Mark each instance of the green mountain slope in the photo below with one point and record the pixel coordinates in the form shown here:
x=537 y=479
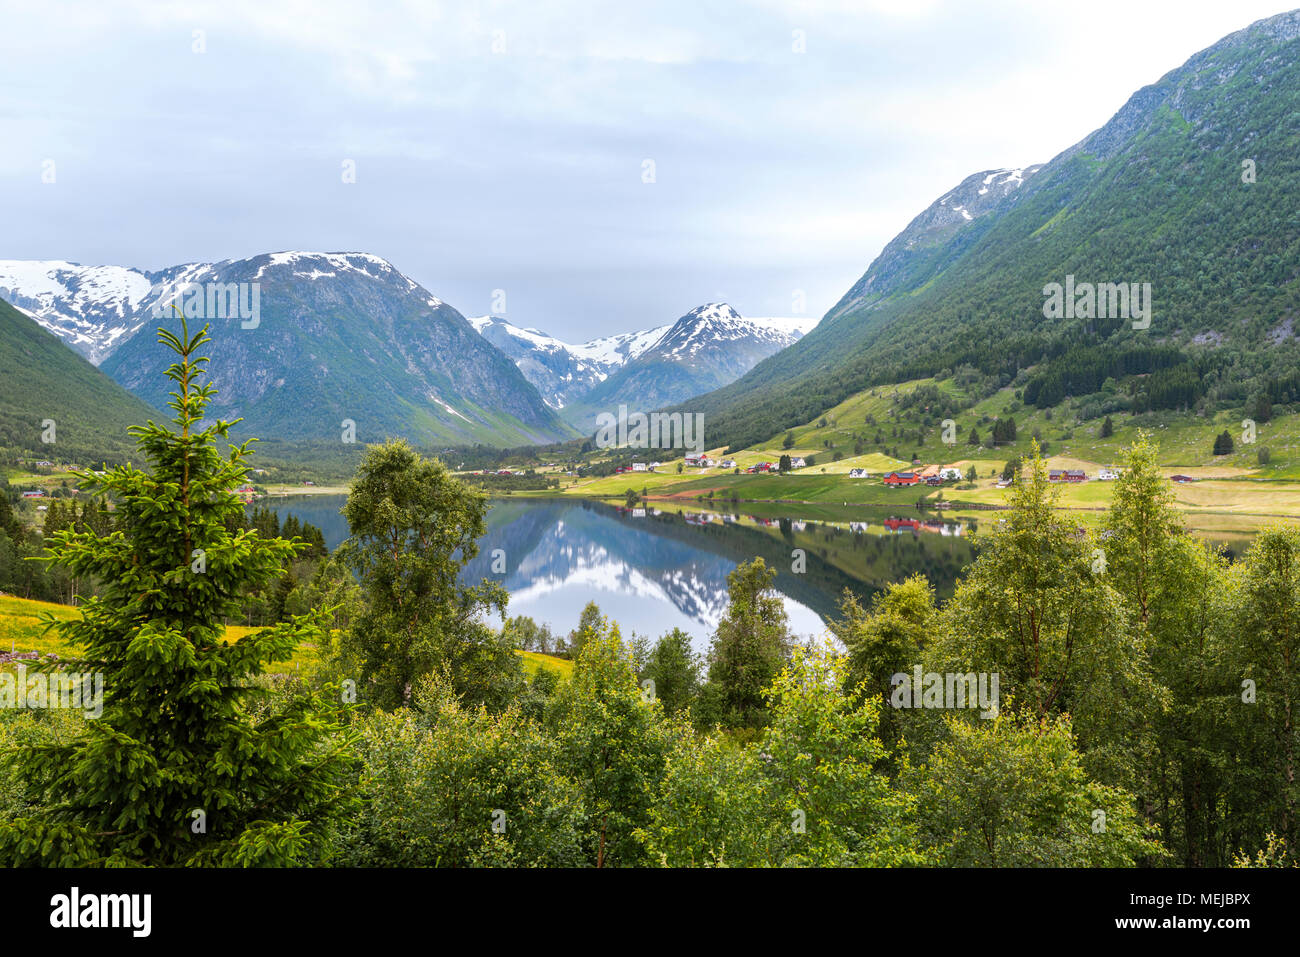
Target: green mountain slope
x=1156 y=196
x=41 y=378
x=346 y=337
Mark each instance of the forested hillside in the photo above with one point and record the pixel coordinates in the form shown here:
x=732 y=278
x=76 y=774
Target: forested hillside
x=1191 y=187
x=45 y=380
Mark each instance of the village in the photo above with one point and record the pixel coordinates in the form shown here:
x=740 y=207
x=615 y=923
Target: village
x=931 y=475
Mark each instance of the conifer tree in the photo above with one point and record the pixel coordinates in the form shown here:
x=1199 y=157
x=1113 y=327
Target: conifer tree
x=182 y=767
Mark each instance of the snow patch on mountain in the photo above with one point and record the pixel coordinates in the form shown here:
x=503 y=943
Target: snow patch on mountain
x=89 y=307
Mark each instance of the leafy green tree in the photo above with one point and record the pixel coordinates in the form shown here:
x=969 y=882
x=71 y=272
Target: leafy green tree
x=449 y=786
x=181 y=768
x=590 y=624
x=1173 y=588
x=749 y=647
x=713 y=808
x=823 y=758
x=1263 y=648
x=413 y=527
x=883 y=641
x=1012 y=792
x=613 y=743
x=674 y=667
x=528 y=635
x=9 y=524
x=1037 y=609
x=1139 y=527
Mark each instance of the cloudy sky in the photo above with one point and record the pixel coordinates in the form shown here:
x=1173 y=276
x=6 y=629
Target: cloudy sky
x=507 y=145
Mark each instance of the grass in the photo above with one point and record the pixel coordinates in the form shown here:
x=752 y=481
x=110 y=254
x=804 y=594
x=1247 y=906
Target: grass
x=535 y=661
x=1235 y=490
x=21 y=629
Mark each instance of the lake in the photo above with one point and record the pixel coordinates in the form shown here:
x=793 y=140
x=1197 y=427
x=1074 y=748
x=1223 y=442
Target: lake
x=652 y=570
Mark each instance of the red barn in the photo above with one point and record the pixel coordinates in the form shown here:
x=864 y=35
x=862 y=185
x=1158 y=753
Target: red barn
x=902 y=478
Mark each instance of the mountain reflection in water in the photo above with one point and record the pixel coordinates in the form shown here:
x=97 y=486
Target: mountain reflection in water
x=653 y=570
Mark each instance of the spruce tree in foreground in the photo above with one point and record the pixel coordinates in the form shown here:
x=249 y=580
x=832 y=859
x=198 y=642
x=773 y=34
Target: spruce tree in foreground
x=183 y=767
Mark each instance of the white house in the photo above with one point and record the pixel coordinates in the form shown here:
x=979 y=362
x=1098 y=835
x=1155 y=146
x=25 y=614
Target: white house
x=950 y=474
x=728 y=463
x=859 y=473
x=696 y=460
x=1108 y=474
x=797 y=463
x=638 y=466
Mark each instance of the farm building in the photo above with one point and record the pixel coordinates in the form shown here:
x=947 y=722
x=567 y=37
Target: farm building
x=902 y=478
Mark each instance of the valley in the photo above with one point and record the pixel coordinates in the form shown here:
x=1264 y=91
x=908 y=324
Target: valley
x=976 y=565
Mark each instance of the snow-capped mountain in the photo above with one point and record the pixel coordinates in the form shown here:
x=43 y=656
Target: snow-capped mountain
x=709 y=347
x=561 y=371
x=914 y=254
x=719 y=337
x=91 y=308
x=706 y=348
x=109 y=313
x=301 y=342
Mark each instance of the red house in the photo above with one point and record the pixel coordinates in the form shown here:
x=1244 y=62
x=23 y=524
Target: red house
x=902 y=478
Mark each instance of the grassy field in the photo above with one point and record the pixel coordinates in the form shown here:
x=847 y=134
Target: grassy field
x=22 y=630
x=535 y=661
x=1236 y=491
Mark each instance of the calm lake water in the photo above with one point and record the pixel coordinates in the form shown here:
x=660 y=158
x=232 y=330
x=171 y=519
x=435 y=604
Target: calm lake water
x=653 y=570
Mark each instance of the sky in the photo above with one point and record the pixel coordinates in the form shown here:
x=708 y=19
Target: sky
x=606 y=166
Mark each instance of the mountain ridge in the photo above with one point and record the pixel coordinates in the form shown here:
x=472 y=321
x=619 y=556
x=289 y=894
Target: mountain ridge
x=338 y=337
x=1157 y=194
x=709 y=345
